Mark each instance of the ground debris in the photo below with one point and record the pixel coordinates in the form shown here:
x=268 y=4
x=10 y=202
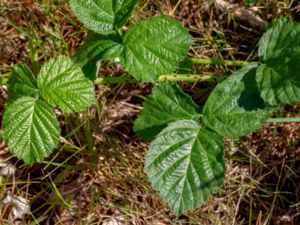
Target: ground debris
x=6 y=168
x=20 y=207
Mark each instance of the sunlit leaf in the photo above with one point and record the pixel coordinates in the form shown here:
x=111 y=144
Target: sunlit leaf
x=185 y=164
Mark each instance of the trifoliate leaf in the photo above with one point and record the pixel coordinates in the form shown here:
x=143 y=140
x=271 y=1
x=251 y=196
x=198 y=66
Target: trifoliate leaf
x=97 y=47
x=63 y=84
x=168 y=103
x=30 y=129
x=185 y=164
x=235 y=107
x=21 y=83
x=103 y=16
x=279 y=51
x=155 y=47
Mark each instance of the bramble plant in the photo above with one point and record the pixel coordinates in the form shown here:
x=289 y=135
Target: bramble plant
x=185 y=162
x=30 y=127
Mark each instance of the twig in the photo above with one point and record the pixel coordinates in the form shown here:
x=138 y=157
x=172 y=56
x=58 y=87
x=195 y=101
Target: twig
x=242 y=14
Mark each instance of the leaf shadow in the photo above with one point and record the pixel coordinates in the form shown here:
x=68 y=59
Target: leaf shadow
x=250 y=98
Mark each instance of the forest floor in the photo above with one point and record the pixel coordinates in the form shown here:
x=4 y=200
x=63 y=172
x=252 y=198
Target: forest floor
x=96 y=175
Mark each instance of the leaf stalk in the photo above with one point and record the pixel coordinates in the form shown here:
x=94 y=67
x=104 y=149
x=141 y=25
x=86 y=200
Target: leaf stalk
x=170 y=77
x=212 y=61
x=283 y=120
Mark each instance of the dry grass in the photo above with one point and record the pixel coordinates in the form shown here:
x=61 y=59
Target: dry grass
x=96 y=175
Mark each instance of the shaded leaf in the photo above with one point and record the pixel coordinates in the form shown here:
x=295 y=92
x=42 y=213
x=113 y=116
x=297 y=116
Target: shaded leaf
x=282 y=35
x=185 y=164
x=279 y=51
x=235 y=108
x=97 y=47
x=280 y=83
x=30 y=129
x=63 y=84
x=185 y=66
x=123 y=10
x=168 y=103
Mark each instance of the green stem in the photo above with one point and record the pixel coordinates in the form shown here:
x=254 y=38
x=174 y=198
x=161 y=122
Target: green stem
x=170 y=77
x=191 y=77
x=283 y=120
x=212 y=61
x=115 y=80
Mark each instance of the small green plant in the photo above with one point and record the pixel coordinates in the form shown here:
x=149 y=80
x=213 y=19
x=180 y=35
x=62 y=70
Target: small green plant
x=185 y=162
x=30 y=127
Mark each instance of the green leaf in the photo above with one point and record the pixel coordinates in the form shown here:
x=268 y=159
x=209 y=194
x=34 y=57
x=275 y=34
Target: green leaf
x=168 y=103
x=235 y=108
x=21 y=83
x=185 y=164
x=279 y=82
x=155 y=47
x=279 y=51
x=63 y=84
x=103 y=16
x=30 y=129
x=282 y=35
x=186 y=66
x=123 y=10
x=97 y=47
